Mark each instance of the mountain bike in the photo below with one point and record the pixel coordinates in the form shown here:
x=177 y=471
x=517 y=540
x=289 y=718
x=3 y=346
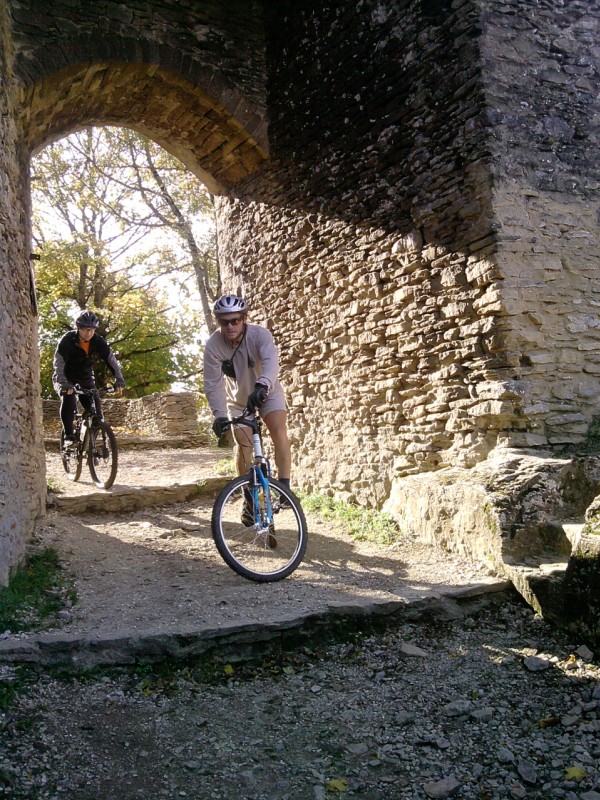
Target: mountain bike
x=257 y=523
x=95 y=440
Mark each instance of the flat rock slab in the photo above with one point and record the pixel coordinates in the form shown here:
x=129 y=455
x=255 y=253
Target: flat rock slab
x=150 y=583
x=127 y=500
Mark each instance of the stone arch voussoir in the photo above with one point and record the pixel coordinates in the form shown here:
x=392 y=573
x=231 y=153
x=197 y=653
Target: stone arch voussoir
x=186 y=120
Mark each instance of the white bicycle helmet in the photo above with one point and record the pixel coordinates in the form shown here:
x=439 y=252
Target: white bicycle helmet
x=229 y=304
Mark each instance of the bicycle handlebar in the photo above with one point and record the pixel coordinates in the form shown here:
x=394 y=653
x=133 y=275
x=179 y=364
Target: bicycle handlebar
x=244 y=419
x=77 y=389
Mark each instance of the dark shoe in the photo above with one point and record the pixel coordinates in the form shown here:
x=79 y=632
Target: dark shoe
x=283 y=504
x=272 y=540
x=248 y=514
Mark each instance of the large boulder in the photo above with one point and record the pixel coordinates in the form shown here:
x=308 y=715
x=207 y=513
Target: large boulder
x=522 y=514
x=581 y=610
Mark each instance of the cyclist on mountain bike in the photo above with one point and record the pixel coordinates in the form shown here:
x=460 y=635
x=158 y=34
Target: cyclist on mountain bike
x=74 y=364
x=241 y=369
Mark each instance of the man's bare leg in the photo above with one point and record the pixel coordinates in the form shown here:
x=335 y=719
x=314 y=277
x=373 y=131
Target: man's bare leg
x=244 y=453
x=276 y=422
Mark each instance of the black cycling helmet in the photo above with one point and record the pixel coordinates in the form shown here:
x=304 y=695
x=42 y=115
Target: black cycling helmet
x=229 y=304
x=87 y=319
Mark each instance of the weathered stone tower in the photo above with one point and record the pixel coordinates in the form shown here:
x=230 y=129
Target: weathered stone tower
x=406 y=191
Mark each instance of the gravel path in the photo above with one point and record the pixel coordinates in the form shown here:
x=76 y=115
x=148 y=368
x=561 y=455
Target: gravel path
x=491 y=706
x=143 y=575
x=484 y=703
x=148 y=467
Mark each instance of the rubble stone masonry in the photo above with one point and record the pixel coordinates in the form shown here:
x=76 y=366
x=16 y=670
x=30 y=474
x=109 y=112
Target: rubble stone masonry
x=22 y=472
x=424 y=239
x=406 y=191
x=157 y=414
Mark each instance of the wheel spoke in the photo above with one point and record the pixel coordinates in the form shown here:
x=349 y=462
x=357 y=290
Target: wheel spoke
x=255 y=546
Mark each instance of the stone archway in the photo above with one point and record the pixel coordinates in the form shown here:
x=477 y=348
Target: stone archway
x=206 y=108
x=181 y=117
x=422 y=238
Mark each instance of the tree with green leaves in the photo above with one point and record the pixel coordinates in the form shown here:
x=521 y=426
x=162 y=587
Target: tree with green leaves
x=97 y=196
x=145 y=339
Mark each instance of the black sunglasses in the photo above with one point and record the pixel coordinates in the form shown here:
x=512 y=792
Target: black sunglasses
x=235 y=321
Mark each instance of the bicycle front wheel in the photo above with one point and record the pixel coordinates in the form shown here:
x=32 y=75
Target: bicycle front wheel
x=103 y=458
x=71 y=459
x=254 y=546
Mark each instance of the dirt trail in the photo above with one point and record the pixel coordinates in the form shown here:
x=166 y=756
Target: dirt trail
x=144 y=467
x=152 y=575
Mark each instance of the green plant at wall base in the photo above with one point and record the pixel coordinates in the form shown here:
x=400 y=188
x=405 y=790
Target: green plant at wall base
x=361 y=523
x=34 y=594
x=226 y=466
x=52 y=486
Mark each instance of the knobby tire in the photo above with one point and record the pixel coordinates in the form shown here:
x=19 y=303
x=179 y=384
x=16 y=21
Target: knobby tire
x=103 y=457
x=71 y=459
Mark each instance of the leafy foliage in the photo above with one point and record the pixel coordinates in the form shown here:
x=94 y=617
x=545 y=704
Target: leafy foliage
x=97 y=196
x=145 y=340
x=33 y=593
x=362 y=523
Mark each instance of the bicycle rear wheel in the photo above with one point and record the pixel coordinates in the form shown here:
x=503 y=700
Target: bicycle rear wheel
x=261 y=551
x=103 y=459
x=71 y=459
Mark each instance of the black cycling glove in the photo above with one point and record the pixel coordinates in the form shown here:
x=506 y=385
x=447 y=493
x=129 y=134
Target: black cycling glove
x=258 y=397
x=220 y=425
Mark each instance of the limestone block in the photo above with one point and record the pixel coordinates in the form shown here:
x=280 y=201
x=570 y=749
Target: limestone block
x=492 y=302
x=481 y=272
x=505 y=510
x=565 y=438
x=499 y=390
x=579 y=323
x=566 y=418
x=586 y=346
x=492 y=408
x=541 y=357
x=510 y=439
x=404 y=294
x=410 y=243
x=573 y=602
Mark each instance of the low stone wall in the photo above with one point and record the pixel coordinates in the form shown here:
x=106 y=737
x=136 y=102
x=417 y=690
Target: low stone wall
x=159 y=414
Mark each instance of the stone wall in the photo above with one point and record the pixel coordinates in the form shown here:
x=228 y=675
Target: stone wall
x=418 y=225
x=423 y=241
x=191 y=76
x=542 y=82
x=368 y=242
x=22 y=475
x=158 y=414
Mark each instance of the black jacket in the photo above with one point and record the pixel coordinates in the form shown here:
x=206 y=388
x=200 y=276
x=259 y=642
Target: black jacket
x=73 y=365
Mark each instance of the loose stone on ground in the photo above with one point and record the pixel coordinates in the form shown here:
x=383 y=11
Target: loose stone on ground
x=484 y=703
x=377 y=727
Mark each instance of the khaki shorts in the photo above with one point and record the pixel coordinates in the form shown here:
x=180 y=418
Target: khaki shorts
x=276 y=403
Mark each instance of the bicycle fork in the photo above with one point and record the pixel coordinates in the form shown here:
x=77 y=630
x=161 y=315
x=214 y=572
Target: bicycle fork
x=260 y=483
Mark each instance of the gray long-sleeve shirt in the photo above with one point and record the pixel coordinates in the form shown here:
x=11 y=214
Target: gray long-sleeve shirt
x=255 y=361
